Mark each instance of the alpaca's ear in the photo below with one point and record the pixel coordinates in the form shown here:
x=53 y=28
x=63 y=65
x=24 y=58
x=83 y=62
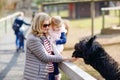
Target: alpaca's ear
x=76 y=47
x=89 y=43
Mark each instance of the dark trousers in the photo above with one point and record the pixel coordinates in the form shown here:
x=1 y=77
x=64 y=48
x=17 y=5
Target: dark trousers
x=56 y=72
x=21 y=44
x=17 y=41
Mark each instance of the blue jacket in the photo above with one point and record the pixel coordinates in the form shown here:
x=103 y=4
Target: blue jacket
x=17 y=24
x=62 y=39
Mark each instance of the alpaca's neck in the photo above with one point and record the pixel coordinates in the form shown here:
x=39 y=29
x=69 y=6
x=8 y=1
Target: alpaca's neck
x=106 y=66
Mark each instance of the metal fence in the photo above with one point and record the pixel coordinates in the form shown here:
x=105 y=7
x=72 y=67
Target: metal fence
x=6 y=22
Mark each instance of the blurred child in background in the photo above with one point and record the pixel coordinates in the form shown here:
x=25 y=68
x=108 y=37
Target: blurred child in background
x=22 y=38
x=18 y=23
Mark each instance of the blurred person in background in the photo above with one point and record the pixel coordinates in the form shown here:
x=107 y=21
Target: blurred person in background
x=22 y=39
x=18 y=22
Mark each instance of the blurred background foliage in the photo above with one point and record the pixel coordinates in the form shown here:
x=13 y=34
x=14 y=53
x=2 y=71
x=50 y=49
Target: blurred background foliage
x=2 y=2
x=63 y=11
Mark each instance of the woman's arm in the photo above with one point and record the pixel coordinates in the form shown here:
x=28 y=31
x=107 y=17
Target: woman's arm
x=37 y=48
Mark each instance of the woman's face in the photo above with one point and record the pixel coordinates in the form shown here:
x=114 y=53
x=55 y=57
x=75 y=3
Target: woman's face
x=45 y=26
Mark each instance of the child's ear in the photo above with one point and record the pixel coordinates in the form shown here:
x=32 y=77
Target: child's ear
x=89 y=43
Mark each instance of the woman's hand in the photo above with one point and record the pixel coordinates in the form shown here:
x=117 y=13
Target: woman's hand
x=72 y=59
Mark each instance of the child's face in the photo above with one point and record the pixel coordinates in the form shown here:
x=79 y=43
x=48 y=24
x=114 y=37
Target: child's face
x=56 y=24
x=56 y=28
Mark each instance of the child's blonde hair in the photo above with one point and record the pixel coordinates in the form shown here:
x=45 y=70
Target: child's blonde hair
x=56 y=20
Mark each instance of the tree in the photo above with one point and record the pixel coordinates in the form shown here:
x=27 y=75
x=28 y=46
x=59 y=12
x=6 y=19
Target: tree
x=2 y=4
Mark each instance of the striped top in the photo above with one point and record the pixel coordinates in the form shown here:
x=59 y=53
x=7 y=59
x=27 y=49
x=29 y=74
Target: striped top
x=48 y=46
x=37 y=59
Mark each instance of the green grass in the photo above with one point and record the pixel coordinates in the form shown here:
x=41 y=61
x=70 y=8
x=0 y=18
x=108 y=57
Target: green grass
x=84 y=23
x=62 y=14
x=116 y=12
x=64 y=77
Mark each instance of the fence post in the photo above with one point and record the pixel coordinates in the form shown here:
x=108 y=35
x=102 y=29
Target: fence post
x=103 y=17
x=119 y=17
x=5 y=26
x=74 y=72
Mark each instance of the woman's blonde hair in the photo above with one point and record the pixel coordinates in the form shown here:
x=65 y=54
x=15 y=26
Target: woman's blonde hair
x=38 y=22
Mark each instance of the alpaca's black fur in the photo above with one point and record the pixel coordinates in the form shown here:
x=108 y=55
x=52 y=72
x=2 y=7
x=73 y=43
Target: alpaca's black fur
x=93 y=54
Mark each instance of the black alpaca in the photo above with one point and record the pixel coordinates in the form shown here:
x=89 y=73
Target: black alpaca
x=93 y=54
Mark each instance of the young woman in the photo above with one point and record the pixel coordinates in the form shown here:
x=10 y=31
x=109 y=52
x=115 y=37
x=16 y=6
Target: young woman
x=38 y=50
